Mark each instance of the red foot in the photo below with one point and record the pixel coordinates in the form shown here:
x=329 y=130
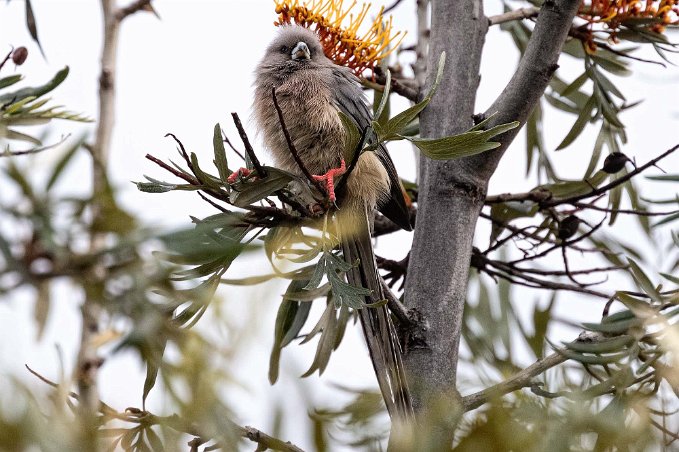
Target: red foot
x=240 y=172
x=329 y=179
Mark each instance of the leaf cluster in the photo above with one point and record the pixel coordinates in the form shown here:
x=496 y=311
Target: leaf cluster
x=27 y=107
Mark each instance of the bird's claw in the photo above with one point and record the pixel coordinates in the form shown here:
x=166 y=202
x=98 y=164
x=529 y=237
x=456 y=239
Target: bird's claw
x=329 y=179
x=239 y=173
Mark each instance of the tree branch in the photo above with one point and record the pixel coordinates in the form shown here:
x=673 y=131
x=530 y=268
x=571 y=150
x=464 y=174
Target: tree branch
x=396 y=85
x=524 y=90
x=517 y=14
x=520 y=380
x=134 y=7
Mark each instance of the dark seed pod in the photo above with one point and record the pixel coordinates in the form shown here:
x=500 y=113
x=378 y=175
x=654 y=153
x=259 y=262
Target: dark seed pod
x=476 y=260
x=19 y=55
x=615 y=162
x=568 y=227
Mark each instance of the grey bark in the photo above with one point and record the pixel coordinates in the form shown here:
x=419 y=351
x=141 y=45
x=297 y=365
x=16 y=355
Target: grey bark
x=451 y=193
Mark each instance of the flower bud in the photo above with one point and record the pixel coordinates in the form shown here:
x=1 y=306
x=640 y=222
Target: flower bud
x=568 y=227
x=615 y=162
x=19 y=55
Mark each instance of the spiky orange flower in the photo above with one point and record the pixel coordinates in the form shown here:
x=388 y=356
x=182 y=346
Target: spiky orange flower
x=612 y=15
x=343 y=44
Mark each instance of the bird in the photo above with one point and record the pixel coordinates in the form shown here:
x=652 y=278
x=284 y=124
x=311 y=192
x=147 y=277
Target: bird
x=311 y=91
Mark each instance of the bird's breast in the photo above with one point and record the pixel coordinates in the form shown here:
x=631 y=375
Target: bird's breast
x=312 y=120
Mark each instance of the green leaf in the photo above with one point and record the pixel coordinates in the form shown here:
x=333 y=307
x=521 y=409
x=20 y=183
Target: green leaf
x=593 y=359
x=601 y=346
x=352 y=136
x=641 y=308
x=669 y=277
x=566 y=189
x=618 y=316
x=665 y=177
x=19 y=136
x=348 y=295
x=255 y=190
x=541 y=321
x=398 y=123
x=462 y=145
x=32 y=25
x=619 y=327
x=206 y=179
x=309 y=294
x=35 y=91
x=328 y=324
x=318 y=274
x=63 y=163
x=643 y=281
x=220 y=155
x=153 y=187
x=154 y=440
x=611 y=65
x=290 y=319
x=667 y=219
x=575 y=85
x=605 y=83
x=578 y=126
x=152 y=367
x=9 y=81
x=384 y=98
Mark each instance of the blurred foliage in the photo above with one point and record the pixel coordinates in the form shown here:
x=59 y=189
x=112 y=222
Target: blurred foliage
x=24 y=107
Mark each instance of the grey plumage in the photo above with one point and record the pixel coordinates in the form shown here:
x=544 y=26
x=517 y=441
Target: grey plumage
x=310 y=90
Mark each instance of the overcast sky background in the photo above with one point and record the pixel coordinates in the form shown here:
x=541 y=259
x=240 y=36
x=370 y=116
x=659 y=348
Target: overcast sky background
x=191 y=69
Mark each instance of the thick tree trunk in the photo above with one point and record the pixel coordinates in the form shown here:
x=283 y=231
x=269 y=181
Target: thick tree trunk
x=452 y=193
x=450 y=199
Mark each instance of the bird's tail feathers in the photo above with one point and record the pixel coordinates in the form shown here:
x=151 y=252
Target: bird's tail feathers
x=380 y=332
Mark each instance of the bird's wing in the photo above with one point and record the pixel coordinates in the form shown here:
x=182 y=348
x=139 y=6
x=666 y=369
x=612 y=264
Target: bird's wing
x=350 y=100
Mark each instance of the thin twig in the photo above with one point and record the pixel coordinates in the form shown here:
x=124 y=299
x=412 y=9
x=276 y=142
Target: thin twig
x=615 y=183
x=8 y=153
x=511 y=273
x=9 y=55
x=176 y=172
x=517 y=14
x=182 y=151
x=641 y=213
x=291 y=145
x=392 y=6
x=249 y=151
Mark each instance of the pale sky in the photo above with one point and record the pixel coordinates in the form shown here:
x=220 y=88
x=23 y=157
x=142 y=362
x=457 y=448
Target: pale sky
x=192 y=69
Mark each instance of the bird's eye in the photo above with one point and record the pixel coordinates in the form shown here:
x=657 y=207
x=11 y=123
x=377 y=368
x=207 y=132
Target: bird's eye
x=284 y=49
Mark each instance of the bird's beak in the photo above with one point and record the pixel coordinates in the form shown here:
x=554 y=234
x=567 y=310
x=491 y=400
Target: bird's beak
x=301 y=52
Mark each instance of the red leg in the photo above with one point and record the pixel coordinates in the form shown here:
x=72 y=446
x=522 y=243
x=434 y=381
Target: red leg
x=240 y=172
x=329 y=179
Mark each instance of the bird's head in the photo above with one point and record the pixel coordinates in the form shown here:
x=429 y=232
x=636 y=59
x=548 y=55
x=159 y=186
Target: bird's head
x=294 y=48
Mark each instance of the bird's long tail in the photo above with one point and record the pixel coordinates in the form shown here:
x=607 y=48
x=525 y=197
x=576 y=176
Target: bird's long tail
x=379 y=330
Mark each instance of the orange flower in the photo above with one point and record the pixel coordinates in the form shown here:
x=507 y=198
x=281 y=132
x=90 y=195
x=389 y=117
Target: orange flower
x=343 y=44
x=612 y=15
